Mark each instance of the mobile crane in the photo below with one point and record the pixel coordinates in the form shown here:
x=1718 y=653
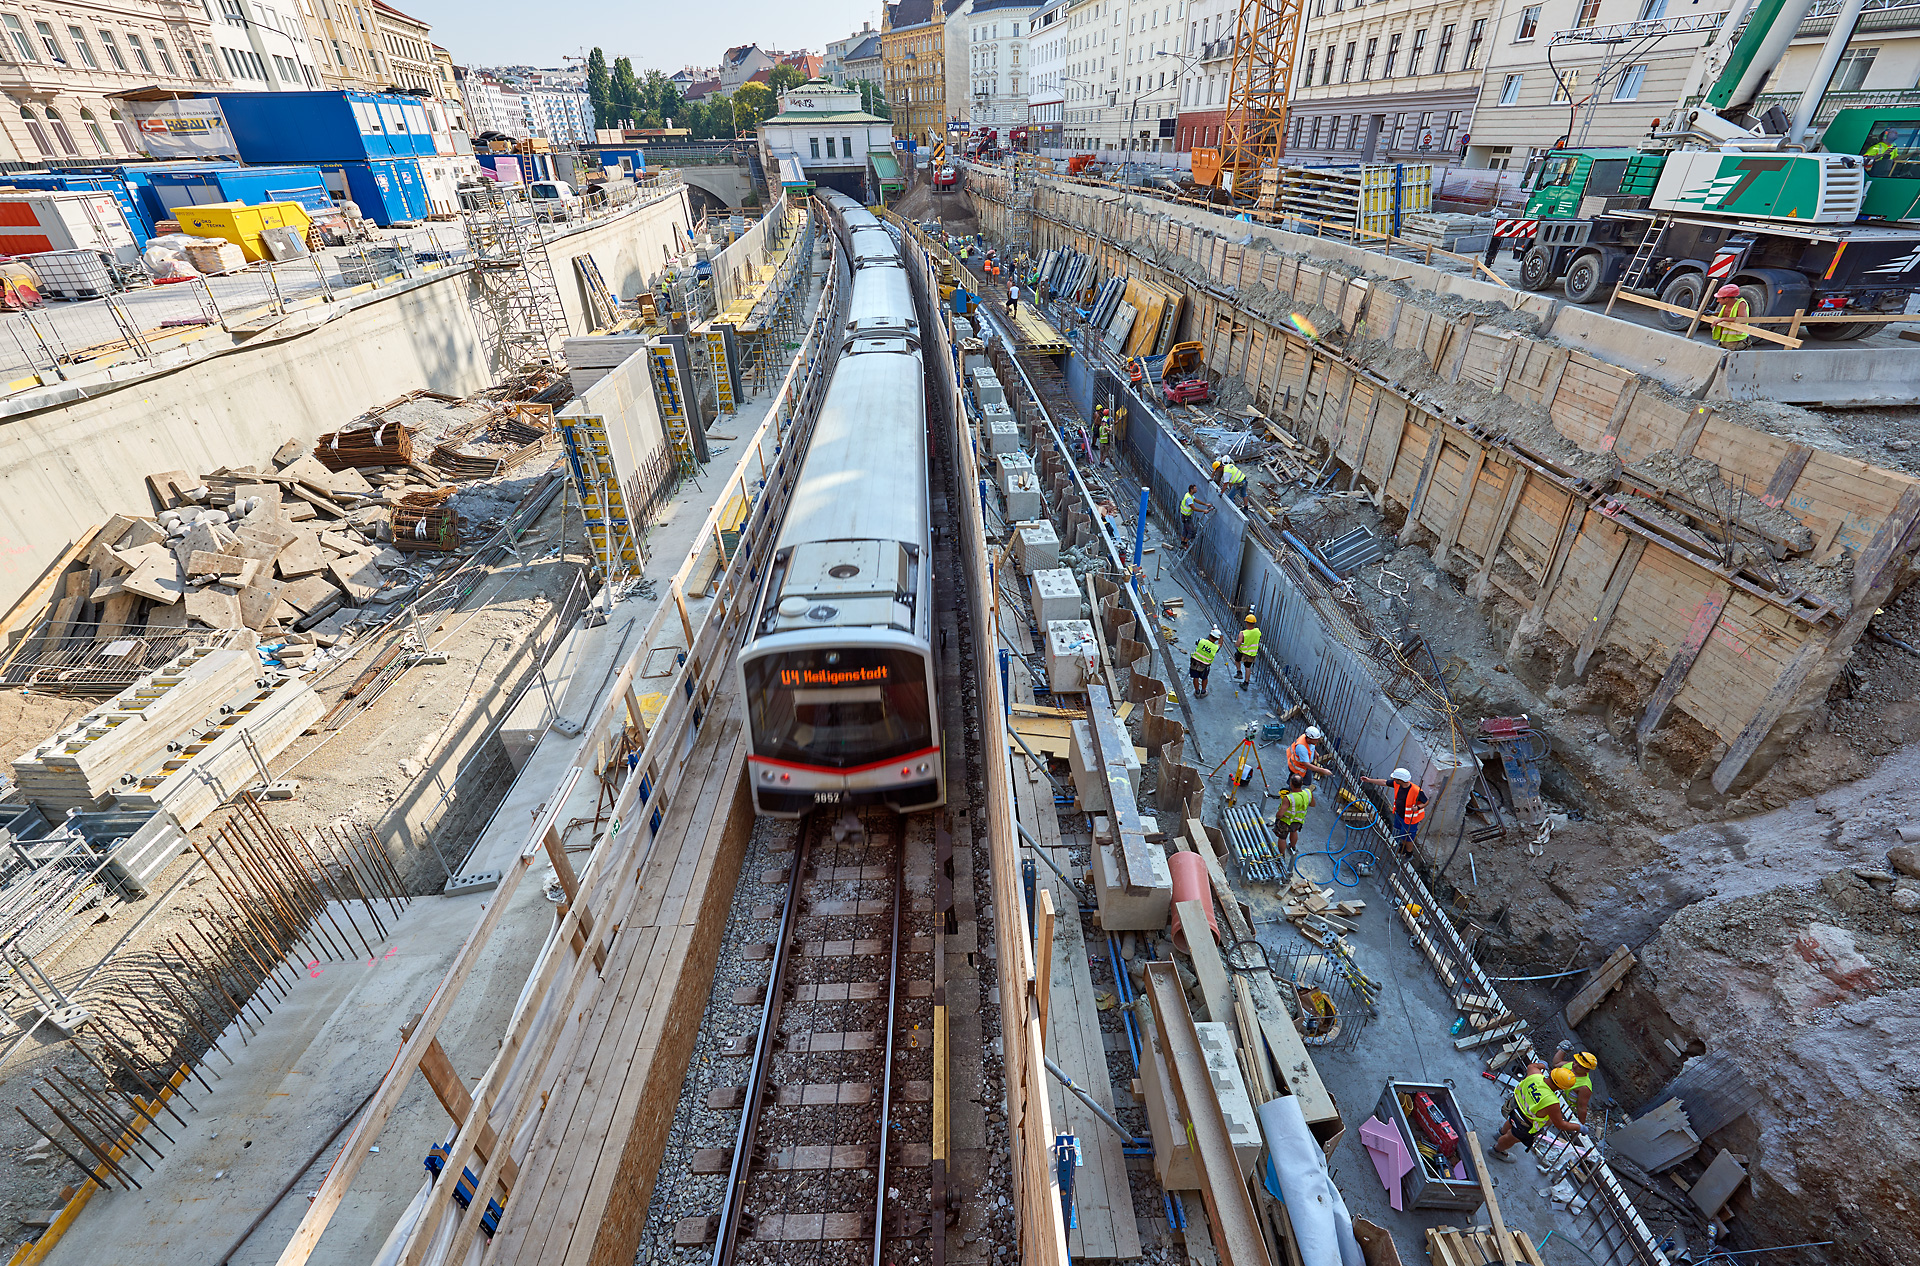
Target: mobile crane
x=1720 y=194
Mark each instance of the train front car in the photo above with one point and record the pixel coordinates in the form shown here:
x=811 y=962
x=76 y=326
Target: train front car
x=838 y=672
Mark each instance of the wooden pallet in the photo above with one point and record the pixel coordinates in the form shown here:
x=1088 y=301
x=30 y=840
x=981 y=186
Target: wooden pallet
x=1450 y=1246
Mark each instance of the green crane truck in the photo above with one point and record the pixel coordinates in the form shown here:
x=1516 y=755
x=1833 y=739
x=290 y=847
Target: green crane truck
x=1724 y=197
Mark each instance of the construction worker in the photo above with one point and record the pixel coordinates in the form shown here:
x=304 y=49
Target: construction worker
x=1292 y=814
x=1247 y=651
x=1581 y=1064
x=1013 y=297
x=1233 y=482
x=1406 y=805
x=1103 y=437
x=1200 y=662
x=1303 y=755
x=1882 y=154
x=1536 y=1105
x=1188 y=504
x=1733 y=309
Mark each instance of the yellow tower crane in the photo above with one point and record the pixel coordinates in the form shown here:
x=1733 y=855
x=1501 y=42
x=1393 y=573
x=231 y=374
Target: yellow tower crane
x=1247 y=166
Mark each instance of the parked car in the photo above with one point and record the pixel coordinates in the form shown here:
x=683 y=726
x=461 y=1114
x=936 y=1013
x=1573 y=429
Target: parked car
x=554 y=199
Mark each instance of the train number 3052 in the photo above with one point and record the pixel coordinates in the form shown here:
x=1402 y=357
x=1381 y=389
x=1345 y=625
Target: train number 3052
x=826 y=797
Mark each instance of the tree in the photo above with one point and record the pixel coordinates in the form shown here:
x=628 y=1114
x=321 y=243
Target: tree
x=753 y=104
x=783 y=78
x=663 y=99
x=873 y=99
x=625 y=91
x=599 y=89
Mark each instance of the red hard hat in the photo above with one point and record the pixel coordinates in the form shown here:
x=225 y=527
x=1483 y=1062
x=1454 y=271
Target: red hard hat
x=1728 y=291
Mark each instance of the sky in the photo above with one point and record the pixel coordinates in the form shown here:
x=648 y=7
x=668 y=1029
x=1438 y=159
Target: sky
x=655 y=34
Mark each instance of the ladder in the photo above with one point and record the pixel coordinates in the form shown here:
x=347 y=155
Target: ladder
x=722 y=373
x=1637 y=266
x=603 y=505
x=672 y=395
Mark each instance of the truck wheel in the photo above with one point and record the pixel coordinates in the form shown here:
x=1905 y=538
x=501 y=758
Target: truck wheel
x=1583 y=283
x=1842 y=333
x=1682 y=292
x=1536 y=269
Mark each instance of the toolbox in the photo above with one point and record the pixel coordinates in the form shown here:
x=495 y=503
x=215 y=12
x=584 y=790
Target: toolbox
x=1418 y=1186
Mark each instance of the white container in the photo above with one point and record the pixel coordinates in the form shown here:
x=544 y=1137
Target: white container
x=1003 y=436
x=60 y=220
x=1056 y=596
x=80 y=274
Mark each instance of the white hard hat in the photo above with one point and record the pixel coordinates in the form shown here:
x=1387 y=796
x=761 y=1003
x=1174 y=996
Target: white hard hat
x=1401 y=775
x=1313 y=732
x=1216 y=633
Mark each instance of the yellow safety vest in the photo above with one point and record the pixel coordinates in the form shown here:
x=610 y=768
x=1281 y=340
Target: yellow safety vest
x=1733 y=310
x=1204 y=650
x=1881 y=150
x=1581 y=1081
x=1293 y=806
x=1250 y=643
x=1235 y=475
x=1186 y=506
x=1535 y=1096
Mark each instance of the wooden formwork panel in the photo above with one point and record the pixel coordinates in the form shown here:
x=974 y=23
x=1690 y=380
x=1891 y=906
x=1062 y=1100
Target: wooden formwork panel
x=1589 y=566
x=1415 y=434
x=1450 y=470
x=1535 y=527
x=1483 y=510
x=1834 y=490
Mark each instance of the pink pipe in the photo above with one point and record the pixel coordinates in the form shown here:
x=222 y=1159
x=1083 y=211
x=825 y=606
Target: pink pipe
x=1191 y=883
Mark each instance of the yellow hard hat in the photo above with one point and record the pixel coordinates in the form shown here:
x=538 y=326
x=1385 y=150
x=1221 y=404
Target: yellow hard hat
x=1216 y=464
x=1252 y=618
x=1586 y=1060
x=1562 y=1078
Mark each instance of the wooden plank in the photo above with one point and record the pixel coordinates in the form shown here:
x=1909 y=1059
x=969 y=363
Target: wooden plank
x=1691 y=432
x=1786 y=474
x=1500 y=1233
x=1516 y=481
x=1215 y=988
x=1043 y=964
x=1556 y=370
x=1459 y=515
x=1705 y=617
x=1550 y=579
x=1425 y=478
x=1609 y=974
x=1602 y=617
x=1619 y=418
x=35 y=598
x=1785 y=689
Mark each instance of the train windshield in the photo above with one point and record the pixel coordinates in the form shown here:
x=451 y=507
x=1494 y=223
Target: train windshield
x=838 y=708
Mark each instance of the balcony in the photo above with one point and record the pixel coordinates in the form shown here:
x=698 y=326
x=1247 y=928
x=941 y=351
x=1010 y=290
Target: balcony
x=1833 y=102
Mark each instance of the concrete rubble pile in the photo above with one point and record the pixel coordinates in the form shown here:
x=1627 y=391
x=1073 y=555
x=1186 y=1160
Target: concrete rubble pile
x=289 y=546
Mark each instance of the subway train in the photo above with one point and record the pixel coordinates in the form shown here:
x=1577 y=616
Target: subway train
x=837 y=671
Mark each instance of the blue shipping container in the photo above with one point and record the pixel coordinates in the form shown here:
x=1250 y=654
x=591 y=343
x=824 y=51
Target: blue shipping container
x=326 y=127
x=129 y=208
x=251 y=185
x=139 y=181
x=388 y=191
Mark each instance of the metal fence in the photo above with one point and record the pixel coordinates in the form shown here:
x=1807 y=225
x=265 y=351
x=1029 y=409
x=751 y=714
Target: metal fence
x=67 y=657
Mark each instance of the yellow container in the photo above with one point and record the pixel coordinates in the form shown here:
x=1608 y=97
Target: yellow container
x=241 y=224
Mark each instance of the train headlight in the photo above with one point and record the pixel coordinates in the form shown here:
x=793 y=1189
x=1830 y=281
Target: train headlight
x=906 y=771
x=766 y=775
x=923 y=767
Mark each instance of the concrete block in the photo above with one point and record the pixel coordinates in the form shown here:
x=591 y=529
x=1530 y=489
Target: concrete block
x=1073 y=657
x=1002 y=436
x=1122 y=910
x=216 y=606
x=986 y=385
x=1056 y=596
x=1012 y=464
x=173 y=616
x=143 y=532
x=257 y=603
x=334 y=630
x=301 y=558
x=204 y=563
x=389 y=558
x=1091 y=788
x=1023 y=498
x=139 y=556
x=113 y=532
x=357 y=575
x=1036 y=546
x=1230 y=1087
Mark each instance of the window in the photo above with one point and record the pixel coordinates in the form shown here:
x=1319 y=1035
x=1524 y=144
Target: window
x=125 y=130
x=1628 y=89
x=23 y=45
x=62 y=133
x=35 y=128
x=1563 y=86
x=1306 y=80
x=1326 y=75
x=211 y=64
x=1419 y=47
x=166 y=58
x=1652 y=9
x=1445 y=50
x=830 y=153
x=1476 y=34
x=1393 y=55
x=80 y=46
x=1366 y=61
x=1589 y=13
x=1346 y=63
x=846 y=146
x=814 y=143
x=47 y=42
x=139 y=53
x=1852 y=70
x=1510 y=90
x=1529 y=24
x=93 y=130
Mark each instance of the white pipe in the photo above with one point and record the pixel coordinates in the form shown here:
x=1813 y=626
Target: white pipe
x=1837 y=39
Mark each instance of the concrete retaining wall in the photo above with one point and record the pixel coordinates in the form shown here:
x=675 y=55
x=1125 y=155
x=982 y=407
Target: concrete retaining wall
x=632 y=251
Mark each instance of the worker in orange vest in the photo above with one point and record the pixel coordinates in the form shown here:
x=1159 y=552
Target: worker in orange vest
x=1407 y=806
x=1303 y=755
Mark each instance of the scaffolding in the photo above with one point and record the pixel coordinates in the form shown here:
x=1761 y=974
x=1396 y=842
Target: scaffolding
x=516 y=302
x=610 y=526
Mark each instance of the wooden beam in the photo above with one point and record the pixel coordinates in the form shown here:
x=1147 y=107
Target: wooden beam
x=34 y=598
x=1426 y=475
x=1621 y=405
x=1516 y=482
x=1043 y=961
x=570 y=885
x=1556 y=370
x=1786 y=474
x=1562 y=548
x=1690 y=433
x=1500 y=1233
x=1705 y=617
x=1505 y=371
x=1459 y=515
x=1617 y=583
x=1891 y=541
x=1599 y=985
x=451 y=1091
x=1230 y=1210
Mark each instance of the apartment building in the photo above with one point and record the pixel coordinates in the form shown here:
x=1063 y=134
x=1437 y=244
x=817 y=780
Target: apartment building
x=562 y=115
x=1046 y=89
x=406 y=49
x=1150 y=58
x=1091 y=74
x=913 y=35
x=1389 y=82
x=59 y=62
x=345 y=36
x=262 y=48
x=1589 y=92
x=1880 y=67
x=495 y=106
x=833 y=65
x=447 y=78
x=995 y=66
x=1206 y=73
x=863 y=62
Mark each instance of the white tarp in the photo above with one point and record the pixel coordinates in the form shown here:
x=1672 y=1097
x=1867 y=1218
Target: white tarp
x=1321 y=1222
x=190 y=127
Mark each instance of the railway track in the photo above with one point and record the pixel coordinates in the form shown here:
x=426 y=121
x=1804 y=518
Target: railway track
x=828 y=1127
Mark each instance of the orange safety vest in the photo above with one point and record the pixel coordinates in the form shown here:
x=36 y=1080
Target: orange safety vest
x=1300 y=757
x=1409 y=803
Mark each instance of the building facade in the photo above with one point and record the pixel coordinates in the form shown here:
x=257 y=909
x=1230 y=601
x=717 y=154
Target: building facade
x=1090 y=74
x=741 y=63
x=1046 y=89
x=863 y=62
x=264 y=49
x=1206 y=73
x=562 y=115
x=448 y=86
x=833 y=66
x=407 y=49
x=1389 y=82
x=821 y=125
x=1588 y=93
x=59 y=63
x=913 y=63
x=494 y=106
x=999 y=64
x=1151 y=53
